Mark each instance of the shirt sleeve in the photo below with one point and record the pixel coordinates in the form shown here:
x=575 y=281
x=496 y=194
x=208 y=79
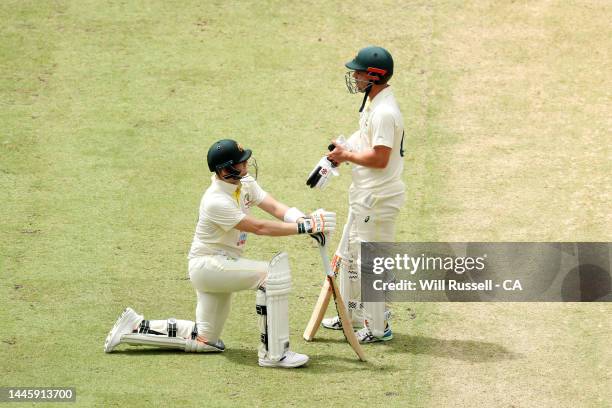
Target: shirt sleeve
x=353 y=141
x=224 y=213
x=257 y=192
x=383 y=129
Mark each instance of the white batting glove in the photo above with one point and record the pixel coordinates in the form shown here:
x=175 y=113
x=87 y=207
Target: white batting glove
x=318 y=221
x=320 y=237
x=320 y=175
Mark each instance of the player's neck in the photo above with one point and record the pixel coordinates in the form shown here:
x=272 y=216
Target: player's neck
x=229 y=180
x=376 y=89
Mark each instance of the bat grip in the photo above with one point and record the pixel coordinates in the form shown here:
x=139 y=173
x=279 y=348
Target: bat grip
x=331 y=148
x=325 y=260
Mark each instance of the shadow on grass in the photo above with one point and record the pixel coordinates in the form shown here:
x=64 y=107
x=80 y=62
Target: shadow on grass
x=322 y=363
x=465 y=350
x=153 y=351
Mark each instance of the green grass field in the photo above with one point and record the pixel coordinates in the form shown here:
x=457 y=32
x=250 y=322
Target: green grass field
x=107 y=111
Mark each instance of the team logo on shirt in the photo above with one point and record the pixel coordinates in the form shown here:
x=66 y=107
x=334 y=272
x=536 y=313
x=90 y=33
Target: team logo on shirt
x=242 y=238
x=247 y=200
x=367 y=219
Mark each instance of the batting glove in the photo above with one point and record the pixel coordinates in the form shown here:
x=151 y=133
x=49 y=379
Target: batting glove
x=318 y=221
x=320 y=237
x=320 y=175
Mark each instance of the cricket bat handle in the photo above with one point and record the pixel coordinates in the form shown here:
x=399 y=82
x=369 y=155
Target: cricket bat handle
x=325 y=260
x=327 y=290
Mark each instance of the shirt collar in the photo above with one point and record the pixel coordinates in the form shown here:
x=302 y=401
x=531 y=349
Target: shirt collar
x=225 y=186
x=379 y=97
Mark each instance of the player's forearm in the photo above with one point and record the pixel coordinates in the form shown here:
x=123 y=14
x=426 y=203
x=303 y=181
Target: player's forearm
x=273 y=207
x=275 y=228
x=319 y=221
x=279 y=210
x=367 y=158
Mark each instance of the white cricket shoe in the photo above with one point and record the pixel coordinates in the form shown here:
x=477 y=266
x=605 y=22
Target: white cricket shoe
x=291 y=359
x=334 y=323
x=128 y=320
x=365 y=335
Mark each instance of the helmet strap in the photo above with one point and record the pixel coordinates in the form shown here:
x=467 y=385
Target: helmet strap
x=365 y=96
x=233 y=173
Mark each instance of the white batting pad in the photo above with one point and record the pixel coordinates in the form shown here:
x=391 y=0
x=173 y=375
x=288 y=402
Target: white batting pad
x=278 y=286
x=350 y=281
x=172 y=327
x=137 y=339
x=187 y=345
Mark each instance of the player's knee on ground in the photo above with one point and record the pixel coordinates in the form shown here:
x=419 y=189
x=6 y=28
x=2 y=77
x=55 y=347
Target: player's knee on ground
x=212 y=311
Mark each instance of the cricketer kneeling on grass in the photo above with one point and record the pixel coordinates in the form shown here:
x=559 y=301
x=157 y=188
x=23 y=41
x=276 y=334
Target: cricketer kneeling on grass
x=377 y=192
x=216 y=269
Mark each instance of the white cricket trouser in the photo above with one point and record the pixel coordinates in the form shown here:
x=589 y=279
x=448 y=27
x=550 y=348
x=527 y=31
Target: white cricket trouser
x=375 y=216
x=215 y=278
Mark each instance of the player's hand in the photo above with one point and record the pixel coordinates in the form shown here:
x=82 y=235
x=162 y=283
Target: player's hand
x=318 y=221
x=340 y=154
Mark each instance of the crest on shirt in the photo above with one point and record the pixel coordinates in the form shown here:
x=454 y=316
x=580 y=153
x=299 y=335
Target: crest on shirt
x=242 y=238
x=247 y=200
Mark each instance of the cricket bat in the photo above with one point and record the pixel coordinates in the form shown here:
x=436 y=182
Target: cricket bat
x=347 y=325
x=329 y=289
x=326 y=291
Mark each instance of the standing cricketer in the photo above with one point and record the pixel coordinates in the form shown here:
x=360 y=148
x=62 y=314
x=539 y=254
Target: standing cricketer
x=217 y=269
x=376 y=194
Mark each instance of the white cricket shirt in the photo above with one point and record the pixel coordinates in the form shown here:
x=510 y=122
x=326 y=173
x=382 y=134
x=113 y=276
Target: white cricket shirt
x=224 y=205
x=380 y=124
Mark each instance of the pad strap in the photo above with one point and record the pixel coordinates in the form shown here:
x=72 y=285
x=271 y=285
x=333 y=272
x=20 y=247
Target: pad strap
x=145 y=327
x=262 y=312
x=171 y=327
